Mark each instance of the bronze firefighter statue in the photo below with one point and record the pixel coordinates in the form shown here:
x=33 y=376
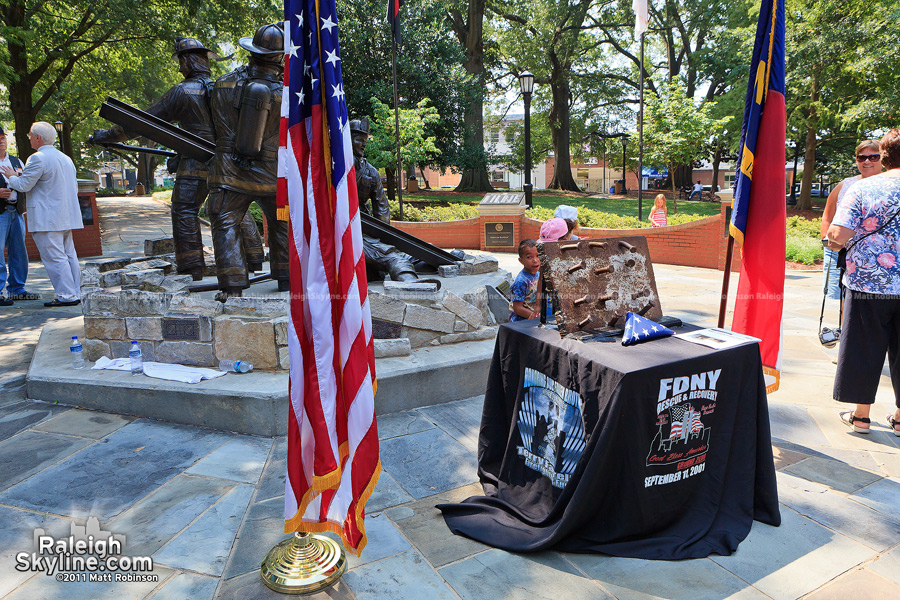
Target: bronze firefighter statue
x=188 y=105
x=379 y=255
x=246 y=109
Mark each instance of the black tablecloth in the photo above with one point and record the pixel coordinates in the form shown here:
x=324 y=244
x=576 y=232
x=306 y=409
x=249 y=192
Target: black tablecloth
x=660 y=450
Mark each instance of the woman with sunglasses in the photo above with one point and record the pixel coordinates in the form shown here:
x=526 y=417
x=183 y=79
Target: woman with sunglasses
x=867 y=222
x=868 y=161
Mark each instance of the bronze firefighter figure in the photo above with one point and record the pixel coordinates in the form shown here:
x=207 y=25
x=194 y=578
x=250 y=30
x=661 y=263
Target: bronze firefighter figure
x=246 y=109
x=188 y=105
x=379 y=255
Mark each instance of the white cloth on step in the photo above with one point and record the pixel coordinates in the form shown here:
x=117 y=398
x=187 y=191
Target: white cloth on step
x=170 y=372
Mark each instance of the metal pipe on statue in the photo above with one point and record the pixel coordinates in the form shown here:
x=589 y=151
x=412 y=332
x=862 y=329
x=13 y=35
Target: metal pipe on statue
x=641 y=139
x=397 y=124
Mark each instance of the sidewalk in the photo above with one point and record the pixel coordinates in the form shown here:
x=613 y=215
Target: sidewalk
x=207 y=505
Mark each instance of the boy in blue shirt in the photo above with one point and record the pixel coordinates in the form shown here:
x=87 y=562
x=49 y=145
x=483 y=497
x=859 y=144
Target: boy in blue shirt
x=524 y=288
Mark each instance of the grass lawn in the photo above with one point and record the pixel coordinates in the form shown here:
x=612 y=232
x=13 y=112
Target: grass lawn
x=623 y=207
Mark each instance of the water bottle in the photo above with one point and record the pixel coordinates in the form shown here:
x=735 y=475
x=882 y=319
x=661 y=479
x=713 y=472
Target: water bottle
x=235 y=366
x=77 y=352
x=137 y=359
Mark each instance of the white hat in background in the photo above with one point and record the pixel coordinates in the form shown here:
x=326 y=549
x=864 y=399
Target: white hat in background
x=564 y=211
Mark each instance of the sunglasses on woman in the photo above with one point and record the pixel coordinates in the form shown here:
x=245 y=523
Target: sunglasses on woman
x=868 y=157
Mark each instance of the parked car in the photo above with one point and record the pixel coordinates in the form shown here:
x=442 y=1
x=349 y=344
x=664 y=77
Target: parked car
x=818 y=190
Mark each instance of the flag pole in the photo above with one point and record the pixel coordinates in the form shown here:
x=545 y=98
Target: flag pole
x=641 y=138
x=397 y=122
x=726 y=279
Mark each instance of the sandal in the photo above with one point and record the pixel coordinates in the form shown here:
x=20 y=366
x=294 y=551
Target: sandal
x=850 y=420
x=893 y=423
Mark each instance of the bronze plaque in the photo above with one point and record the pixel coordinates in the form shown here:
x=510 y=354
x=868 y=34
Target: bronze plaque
x=593 y=283
x=497 y=235
x=385 y=330
x=181 y=329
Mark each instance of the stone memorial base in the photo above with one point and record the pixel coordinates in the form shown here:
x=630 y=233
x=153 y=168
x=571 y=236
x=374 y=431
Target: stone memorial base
x=254 y=403
x=436 y=344
x=141 y=300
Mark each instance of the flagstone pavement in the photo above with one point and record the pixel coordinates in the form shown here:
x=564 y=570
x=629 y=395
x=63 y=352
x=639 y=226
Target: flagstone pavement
x=207 y=505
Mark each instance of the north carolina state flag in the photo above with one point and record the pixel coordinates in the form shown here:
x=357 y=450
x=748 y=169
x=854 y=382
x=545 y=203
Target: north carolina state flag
x=758 y=218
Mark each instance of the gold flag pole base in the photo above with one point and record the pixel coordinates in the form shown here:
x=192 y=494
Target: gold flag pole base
x=304 y=563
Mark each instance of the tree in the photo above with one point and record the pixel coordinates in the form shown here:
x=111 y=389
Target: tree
x=469 y=31
x=551 y=39
x=47 y=39
x=429 y=65
x=676 y=130
x=843 y=86
x=701 y=43
x=416 y=143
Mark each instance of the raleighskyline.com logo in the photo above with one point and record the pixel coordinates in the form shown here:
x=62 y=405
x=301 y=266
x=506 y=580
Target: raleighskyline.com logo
x=87 y=554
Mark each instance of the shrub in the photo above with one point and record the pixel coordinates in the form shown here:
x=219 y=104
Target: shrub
x=601 y=220
x=803 y=249
x=800 y=227
x=454 y=212
x=108 y=192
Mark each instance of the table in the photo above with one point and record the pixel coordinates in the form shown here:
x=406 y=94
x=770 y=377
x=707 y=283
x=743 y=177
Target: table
x=660 y=450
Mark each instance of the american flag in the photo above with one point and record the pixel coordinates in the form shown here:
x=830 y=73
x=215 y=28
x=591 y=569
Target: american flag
x=696 y=424
x=676 y=430
x=333 y=462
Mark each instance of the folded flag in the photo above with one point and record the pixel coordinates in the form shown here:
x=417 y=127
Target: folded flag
x=639 y=329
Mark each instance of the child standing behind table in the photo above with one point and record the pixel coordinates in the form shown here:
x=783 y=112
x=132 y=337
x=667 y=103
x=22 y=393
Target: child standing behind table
x=658 y=217
x=524 y=288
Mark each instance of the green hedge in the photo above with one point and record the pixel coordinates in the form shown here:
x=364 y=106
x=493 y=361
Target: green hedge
x=602 y=220
x=804 y=241
x=454 y=212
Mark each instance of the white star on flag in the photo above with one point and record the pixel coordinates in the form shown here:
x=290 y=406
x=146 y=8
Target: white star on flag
x=293 y=51
x=332 y=57
x=338 y=91
x=327 y=23
x=300 y=96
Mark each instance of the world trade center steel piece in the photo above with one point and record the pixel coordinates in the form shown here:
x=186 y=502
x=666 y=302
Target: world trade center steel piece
x=188 y=104
x=593 y=283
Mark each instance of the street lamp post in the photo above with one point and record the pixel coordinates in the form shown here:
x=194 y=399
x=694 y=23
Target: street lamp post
x=526 y=81
x=624 y=143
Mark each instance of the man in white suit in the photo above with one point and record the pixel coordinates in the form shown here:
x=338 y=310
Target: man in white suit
x=53 y=212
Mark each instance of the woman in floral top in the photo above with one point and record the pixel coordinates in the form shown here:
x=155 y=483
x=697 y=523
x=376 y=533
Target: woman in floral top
x=867 y=223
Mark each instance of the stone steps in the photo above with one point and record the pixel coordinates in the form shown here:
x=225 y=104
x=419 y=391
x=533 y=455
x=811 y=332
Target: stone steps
x=253 y=403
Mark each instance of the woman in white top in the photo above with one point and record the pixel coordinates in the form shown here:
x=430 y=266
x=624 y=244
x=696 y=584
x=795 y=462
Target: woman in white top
x=868 y=161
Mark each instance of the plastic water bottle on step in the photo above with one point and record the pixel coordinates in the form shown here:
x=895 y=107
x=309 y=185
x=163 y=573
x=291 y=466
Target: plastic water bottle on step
x=235 y=366
x=77 y=353
x=137 y=359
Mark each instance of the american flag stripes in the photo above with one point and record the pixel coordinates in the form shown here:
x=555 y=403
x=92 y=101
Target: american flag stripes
x=333 y=462
x=696 y=424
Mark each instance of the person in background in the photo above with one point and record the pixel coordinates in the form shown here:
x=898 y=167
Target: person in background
x=867 y=223
x=554 y=230
x=53 y=211
x=658 y=215
x=698 y=190
x=524 y=288
x=868 y=161
x=569 y=214
x=12 y=234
